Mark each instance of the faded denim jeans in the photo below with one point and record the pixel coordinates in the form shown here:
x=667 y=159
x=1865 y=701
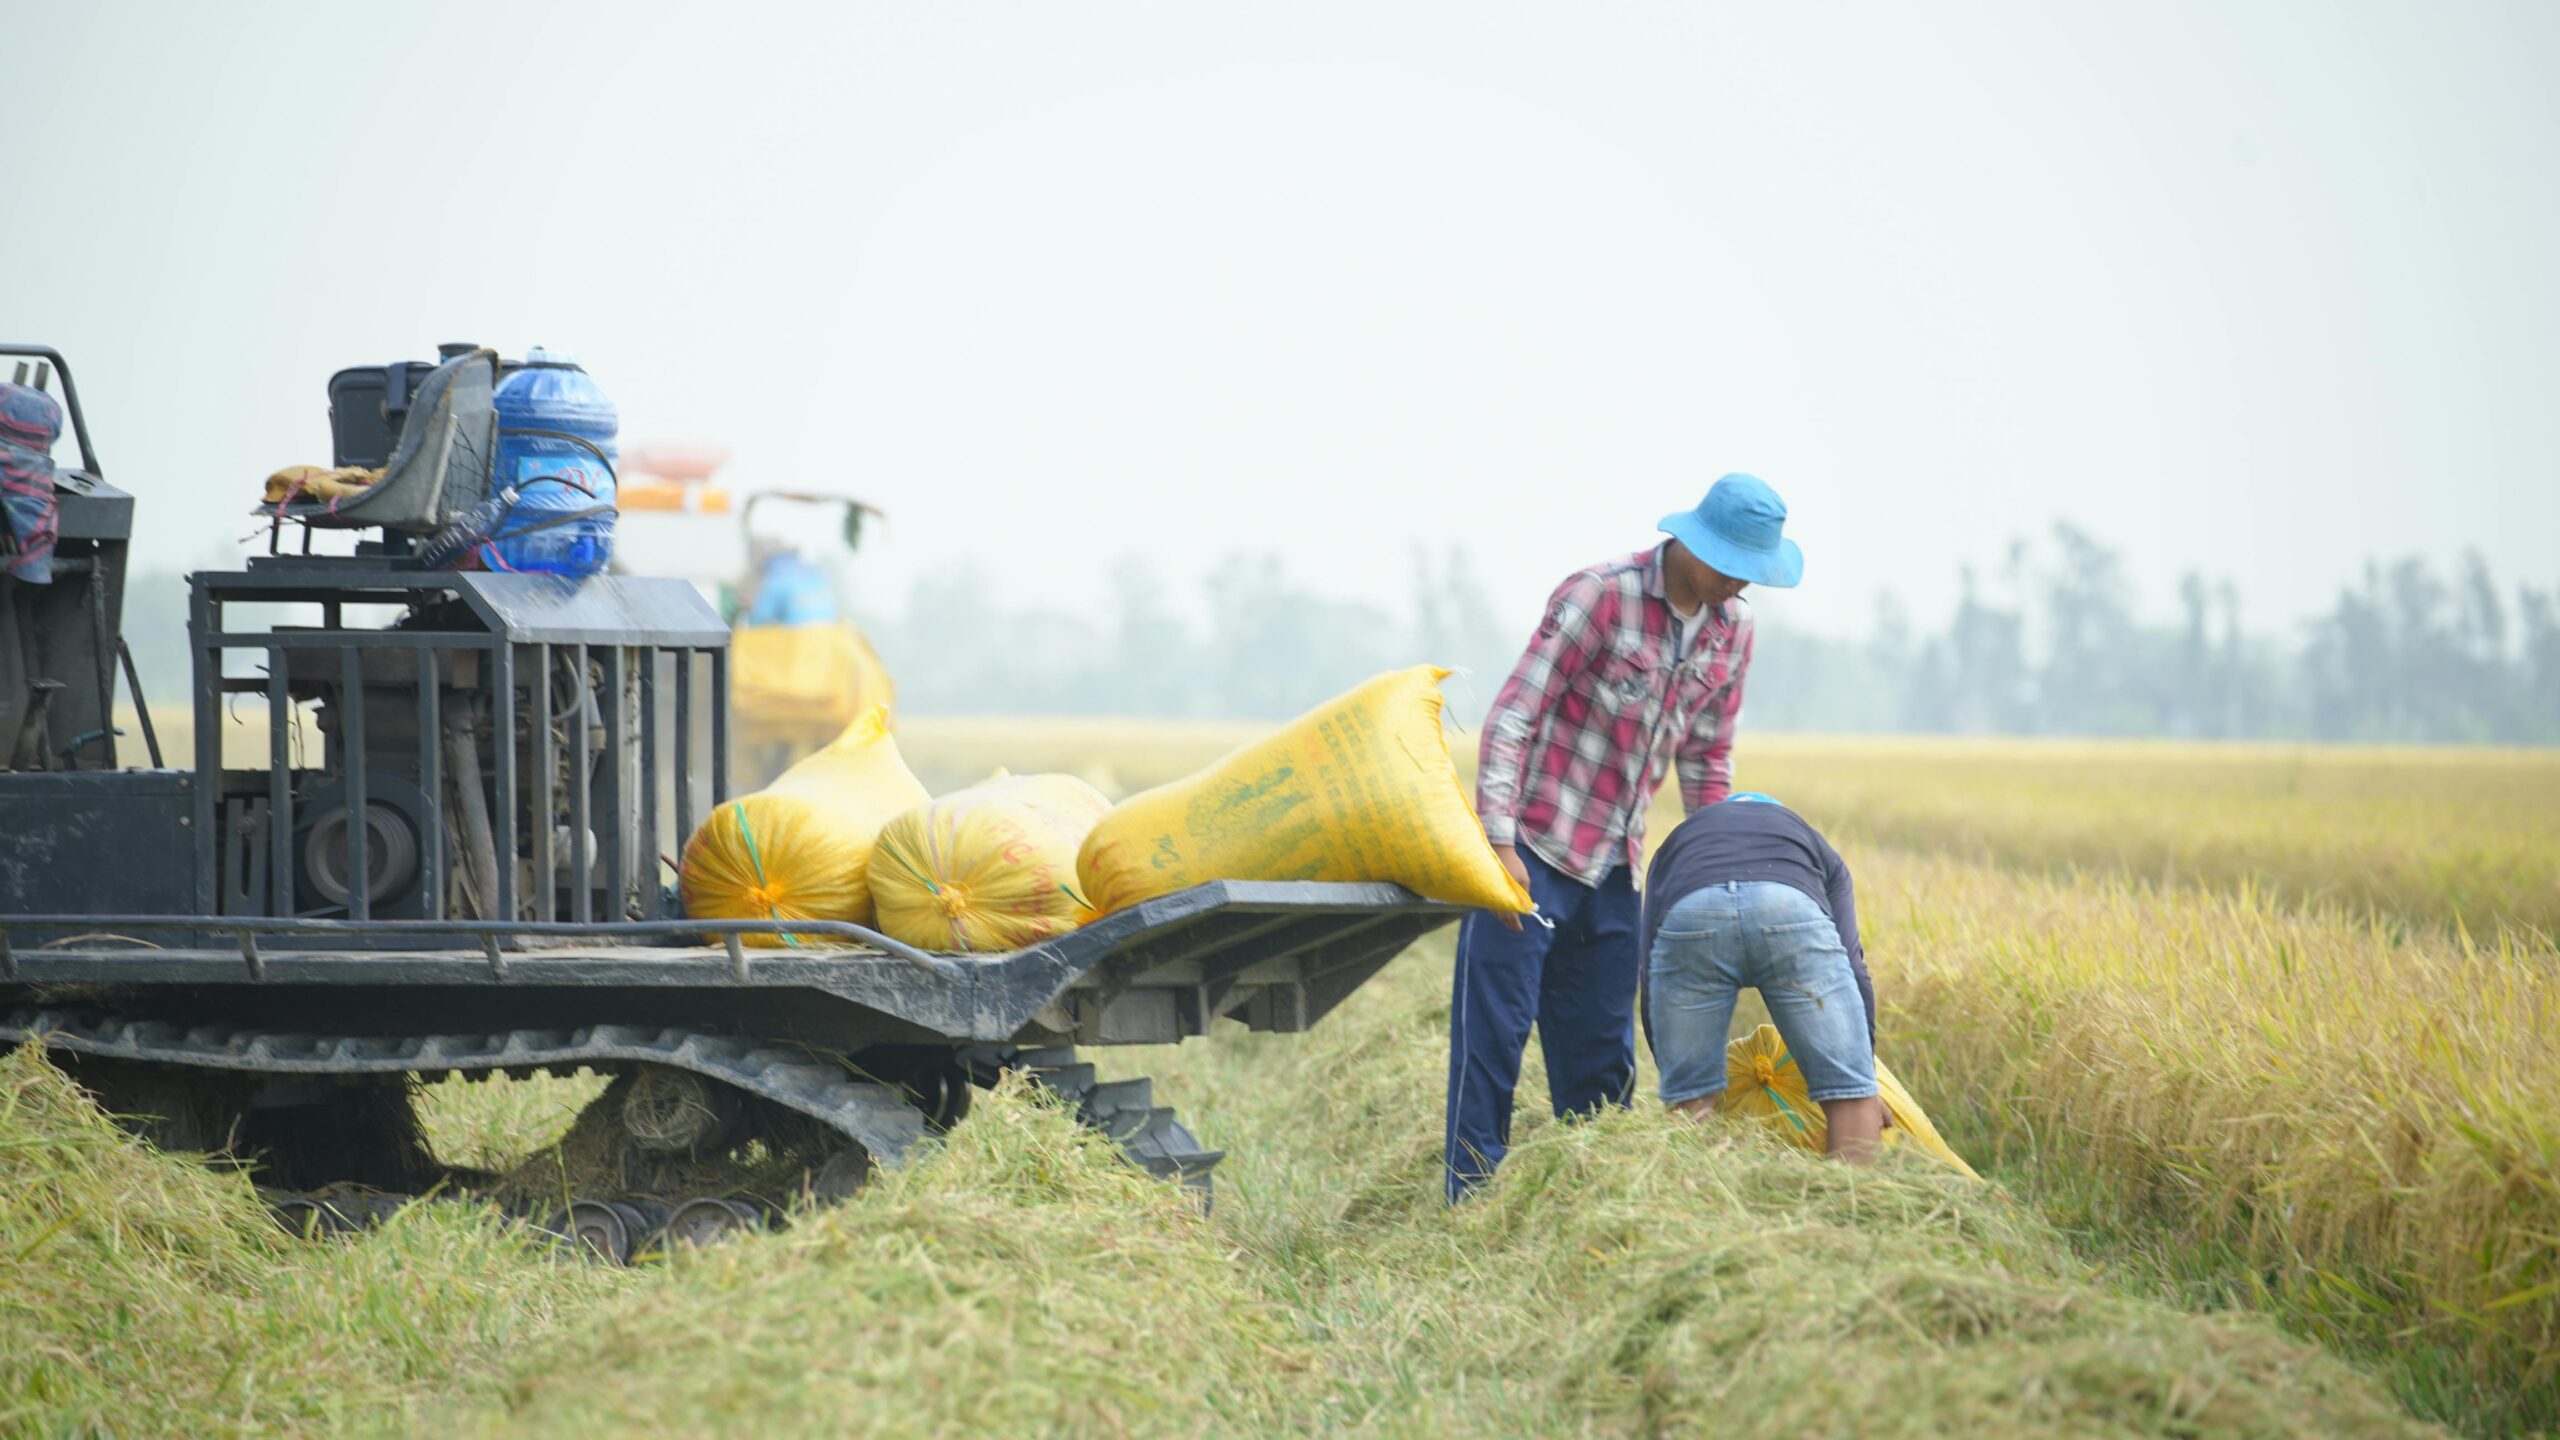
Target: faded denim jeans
x=1777 y=940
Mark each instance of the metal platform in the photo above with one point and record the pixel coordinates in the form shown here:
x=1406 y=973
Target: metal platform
x=1274 y=955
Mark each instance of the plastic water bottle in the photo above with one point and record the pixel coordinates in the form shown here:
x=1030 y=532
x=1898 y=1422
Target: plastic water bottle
x=551 y=392
x=468 y=531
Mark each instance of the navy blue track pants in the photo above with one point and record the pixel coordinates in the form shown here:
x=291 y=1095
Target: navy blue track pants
x=1576 y=983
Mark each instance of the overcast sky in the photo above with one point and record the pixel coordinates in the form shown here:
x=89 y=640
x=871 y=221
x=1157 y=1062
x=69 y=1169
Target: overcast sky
x=2262 y=289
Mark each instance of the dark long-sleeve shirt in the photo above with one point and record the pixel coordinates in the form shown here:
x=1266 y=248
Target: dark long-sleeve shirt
x=1750 y=840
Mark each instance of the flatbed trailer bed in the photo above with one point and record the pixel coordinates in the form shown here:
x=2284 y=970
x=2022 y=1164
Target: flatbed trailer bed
x=874 y=1040
x=1273 y=955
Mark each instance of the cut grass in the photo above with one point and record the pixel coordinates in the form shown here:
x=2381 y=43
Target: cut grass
x=1633 y=1276
x=1640 y=1275
x=1017 y=1281
x=144 y=1295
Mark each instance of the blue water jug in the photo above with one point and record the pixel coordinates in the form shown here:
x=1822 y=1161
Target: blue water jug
x=554 y=478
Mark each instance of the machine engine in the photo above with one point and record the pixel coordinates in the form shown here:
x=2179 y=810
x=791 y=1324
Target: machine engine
x=521 y=747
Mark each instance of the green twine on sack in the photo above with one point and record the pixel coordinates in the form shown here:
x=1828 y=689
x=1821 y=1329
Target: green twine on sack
x=1784 y=1060
x=885 y=848
x=771 y=910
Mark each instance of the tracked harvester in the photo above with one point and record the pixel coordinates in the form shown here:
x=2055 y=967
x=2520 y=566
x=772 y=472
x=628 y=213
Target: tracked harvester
x=422 y=835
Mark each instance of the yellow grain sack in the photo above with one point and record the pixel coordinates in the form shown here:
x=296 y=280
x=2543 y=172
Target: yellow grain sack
x=1764 y=1080
x=791 y=676
x=800 y=848
x=1358 y=789
x=987 y=869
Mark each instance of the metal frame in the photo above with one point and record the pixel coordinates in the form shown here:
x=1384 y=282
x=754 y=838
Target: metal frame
x=519 y=802
x=1276 y=955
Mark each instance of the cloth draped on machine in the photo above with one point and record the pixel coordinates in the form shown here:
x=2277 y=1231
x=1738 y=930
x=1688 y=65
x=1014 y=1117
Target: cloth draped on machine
x=30 y=422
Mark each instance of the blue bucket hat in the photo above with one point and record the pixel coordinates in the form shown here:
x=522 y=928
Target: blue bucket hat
x=1736 y=530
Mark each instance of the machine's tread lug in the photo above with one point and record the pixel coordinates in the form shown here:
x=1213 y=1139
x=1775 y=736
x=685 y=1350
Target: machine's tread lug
x=1110 y=1095
x=1146 y=1133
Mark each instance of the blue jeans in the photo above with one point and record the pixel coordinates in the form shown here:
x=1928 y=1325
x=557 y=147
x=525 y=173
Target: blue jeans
x=1576 y=983
x=1777 y=940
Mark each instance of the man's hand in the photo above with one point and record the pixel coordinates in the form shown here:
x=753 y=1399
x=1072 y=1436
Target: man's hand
x=1519 y=873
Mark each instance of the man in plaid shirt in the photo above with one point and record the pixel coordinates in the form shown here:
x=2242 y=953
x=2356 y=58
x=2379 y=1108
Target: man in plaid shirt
x=1637 y=667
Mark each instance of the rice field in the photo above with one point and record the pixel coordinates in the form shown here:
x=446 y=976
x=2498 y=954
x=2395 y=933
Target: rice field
x=2453 y=836
x=2266 y=1114
x=2331 y=1116
x=2445 y=836
x=2276 y=1025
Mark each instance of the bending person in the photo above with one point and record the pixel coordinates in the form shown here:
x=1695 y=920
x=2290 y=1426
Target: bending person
x=1637 y=670
x=1745 y=892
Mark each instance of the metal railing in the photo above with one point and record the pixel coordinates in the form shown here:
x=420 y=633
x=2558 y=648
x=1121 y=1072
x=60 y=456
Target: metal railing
x=491 y=934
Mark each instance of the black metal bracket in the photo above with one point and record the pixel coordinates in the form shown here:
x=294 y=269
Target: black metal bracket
x=490 y=933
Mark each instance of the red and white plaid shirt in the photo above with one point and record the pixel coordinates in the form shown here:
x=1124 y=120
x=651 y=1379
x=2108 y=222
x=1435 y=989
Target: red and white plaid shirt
x=1581 y=734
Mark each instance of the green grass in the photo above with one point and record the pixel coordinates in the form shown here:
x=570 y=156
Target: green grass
x=145 y=1295
x=492 y=1122
x=1019 y=1281
x=1639 y=1275
x=1629 y=1277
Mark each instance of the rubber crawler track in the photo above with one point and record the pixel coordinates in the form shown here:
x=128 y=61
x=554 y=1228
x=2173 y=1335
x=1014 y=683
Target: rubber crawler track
x=1125 y=1110
x=876 y=1116
x=880 y=1118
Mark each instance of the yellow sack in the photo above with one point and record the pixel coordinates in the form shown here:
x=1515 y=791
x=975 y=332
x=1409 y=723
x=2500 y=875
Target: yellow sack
x=800 y=848
x=1358 y=789
x=989 y=868
x=1764 y=1080
x=789 y=676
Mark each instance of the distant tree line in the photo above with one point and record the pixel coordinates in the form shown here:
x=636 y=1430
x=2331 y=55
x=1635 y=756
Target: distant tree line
x=1257 y=645
x=2048 y=643
x=2052 y=645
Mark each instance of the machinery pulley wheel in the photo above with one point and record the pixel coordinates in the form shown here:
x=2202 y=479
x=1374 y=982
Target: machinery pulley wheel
x=310 y=1217
x=843 y=1176
x=596 y=1228
x=710 y=1220
x=391 y=854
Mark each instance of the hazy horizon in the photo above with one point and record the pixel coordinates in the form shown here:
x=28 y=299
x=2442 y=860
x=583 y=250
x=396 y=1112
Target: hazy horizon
x=2264 y=292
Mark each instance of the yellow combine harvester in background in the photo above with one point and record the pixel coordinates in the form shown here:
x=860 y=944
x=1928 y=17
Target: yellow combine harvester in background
x=799 y=670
